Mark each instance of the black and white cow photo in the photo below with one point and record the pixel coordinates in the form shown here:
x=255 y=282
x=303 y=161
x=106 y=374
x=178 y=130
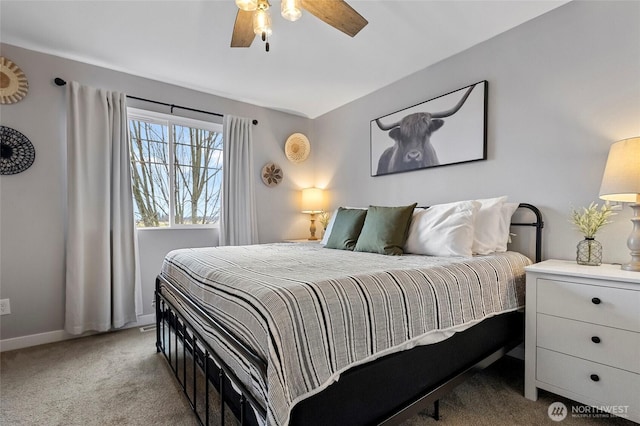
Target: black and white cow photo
x=445 y=130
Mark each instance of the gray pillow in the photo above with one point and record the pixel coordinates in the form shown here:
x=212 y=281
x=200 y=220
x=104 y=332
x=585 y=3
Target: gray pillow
x=385 y=229
x=346 y=228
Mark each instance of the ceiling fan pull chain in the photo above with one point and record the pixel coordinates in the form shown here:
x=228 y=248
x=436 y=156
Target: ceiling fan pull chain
x=264 y=36
x=267 y=46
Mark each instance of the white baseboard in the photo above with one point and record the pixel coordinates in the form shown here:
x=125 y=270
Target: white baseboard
x=60 y=335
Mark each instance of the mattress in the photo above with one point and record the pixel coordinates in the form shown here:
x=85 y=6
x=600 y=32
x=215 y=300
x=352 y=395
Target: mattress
x=313 y=313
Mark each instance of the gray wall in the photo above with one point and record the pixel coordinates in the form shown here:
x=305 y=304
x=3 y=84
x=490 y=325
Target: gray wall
x=32 y=204
x=562 y=88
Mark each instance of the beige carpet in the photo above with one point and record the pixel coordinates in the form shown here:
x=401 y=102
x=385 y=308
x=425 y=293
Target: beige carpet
x=119 y=379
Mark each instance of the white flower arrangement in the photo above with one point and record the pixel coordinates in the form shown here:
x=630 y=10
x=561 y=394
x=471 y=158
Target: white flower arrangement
x=591 y=218
x=324 y=219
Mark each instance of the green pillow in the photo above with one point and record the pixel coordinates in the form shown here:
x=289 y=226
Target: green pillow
x=346 y=228
x=385 y=229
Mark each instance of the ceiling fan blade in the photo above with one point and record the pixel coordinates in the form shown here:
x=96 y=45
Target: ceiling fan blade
x=336 y=13
x=243 y=29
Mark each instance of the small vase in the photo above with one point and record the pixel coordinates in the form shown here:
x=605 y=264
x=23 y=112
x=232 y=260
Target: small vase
x=589 y=252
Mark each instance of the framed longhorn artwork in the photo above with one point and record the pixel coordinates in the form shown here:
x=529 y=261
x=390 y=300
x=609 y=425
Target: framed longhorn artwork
x=449 y=129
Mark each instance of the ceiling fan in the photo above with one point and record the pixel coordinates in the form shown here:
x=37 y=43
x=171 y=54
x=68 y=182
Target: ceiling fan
x=253 y=18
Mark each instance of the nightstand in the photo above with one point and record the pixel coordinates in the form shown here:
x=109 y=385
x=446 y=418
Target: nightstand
x=583 y=335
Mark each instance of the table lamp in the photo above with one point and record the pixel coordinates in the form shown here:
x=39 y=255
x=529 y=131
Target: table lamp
x=312 y=203
x=621 y=182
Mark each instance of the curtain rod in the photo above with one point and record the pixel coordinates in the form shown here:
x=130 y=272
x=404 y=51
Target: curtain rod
x=60 y=82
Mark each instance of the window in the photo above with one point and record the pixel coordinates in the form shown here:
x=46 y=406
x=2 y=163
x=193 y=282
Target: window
x=176 y=170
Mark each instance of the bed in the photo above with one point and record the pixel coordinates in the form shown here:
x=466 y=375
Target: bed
x=296 y=333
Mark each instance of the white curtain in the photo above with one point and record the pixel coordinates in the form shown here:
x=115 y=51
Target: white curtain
x=101 y=287
x=238 y=223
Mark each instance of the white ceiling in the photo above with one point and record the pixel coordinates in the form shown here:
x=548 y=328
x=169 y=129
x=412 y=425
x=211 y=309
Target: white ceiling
x=311 y=68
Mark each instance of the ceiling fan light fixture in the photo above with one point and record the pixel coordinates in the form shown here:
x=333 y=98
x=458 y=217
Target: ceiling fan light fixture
x=247 y=5
x=248 y=24
x=262 y=22
x=290 y=10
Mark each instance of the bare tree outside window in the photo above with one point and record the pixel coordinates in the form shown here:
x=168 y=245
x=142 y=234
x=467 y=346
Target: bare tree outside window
x=176 y=172
x=198 y=175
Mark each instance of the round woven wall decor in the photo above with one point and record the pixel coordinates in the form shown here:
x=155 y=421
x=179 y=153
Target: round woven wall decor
x=13 y=83
x=271 y=174
x=297 y=148
x=17 y=153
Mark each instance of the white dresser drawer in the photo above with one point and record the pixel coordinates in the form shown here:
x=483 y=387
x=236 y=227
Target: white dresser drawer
x=611 y=346
x=608 y=385
x=608 y=306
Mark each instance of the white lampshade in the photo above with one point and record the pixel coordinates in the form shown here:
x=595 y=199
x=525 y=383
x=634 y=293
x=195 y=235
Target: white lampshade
x=621 y=179
x=621 y=182
x=247 y=5
x=312 y=200
x=290 y=10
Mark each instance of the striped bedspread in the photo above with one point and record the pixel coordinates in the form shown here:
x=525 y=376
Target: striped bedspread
x=313 y=313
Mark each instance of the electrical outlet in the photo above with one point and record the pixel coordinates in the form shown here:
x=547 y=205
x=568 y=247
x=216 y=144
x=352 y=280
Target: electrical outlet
x=5 y=307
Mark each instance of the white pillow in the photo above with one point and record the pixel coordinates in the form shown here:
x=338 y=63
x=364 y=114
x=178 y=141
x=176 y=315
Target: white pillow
x=508 y=209
x=443 y=229
x=327 y=231
x=332 y=219
x=487 y=227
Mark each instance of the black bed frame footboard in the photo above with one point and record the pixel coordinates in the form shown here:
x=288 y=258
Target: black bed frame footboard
x=179 y=341
x=197 y=367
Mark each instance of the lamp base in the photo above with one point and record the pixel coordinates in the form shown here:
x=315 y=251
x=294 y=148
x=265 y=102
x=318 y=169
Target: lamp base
x=633 y=242
x=312 y=228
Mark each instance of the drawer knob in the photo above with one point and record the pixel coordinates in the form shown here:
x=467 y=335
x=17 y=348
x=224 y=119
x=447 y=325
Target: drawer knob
x=595 y=339
x=596 y=301
x=595 y=378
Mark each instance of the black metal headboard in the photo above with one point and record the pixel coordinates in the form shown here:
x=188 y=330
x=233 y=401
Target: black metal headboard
x=538 y=224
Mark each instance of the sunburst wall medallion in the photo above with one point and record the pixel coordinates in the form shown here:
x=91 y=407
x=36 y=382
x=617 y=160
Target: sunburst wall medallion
x=13 y=83
x=17 y=153
x=272 y=174
x=297 y=148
